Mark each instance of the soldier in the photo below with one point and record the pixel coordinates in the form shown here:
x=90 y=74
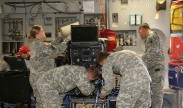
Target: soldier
x=154 y=60
x=135 y=80
x=3 y=66
x=54 y=84
x=40 y=54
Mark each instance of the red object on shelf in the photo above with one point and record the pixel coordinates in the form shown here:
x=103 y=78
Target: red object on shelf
x=111 y=36
x=176 y=46
x=177 y=3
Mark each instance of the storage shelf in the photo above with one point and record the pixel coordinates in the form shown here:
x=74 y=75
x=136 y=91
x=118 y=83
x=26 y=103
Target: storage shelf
x=92 y=13
x=93 y=19
x=12 y=41
x=12 y=35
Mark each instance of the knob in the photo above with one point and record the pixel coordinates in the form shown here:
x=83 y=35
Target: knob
x=78 y=60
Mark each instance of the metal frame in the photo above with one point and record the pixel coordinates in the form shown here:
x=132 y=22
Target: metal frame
x=74 y=101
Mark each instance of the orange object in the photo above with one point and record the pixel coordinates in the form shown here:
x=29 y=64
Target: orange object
x=23 y=49
x=103 y=11
x=176 y=46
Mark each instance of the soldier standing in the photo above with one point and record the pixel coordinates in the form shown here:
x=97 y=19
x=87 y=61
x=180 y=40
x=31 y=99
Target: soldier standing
x=154 y=60
x=53 y=85
x=135 y=80
x=40 y=54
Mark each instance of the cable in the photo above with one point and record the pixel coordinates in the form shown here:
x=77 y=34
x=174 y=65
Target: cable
x=62 y=11
x=99 y=81
x=20 y=6
x=103 y=12
x=39 y=8
x=25 y=17
x=97 y=97
x=53 y=8
x=168 y=102
x=66 y=101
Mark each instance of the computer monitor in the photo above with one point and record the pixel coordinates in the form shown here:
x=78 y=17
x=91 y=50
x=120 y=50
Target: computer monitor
x=16 y=63
x=84 y=34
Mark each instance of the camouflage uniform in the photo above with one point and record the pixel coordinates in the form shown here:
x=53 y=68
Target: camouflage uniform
x=40 y=59
x=135 y=80
x=3 y=66
x=54 y=84
x=154 y=60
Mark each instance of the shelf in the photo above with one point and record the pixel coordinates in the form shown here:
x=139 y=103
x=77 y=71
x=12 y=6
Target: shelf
x=126 y=37
x=12 y=41
x=9 y=22
x=12 y=37
x=92 y=13
x=93 y=19
x=11 y=47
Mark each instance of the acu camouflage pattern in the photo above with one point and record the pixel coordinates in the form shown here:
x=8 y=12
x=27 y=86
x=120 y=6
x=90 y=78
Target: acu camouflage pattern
x=54 y=84
x=3 y=66
x=40 y=61
x=154 y=59
x=40 y=56
x=135 y=80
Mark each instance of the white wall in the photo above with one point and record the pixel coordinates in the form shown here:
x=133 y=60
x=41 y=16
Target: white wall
x=148 y=9
x=148 y=14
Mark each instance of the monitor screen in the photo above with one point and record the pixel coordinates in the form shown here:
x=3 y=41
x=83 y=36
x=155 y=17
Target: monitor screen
x=16 y=63
x=84 y=33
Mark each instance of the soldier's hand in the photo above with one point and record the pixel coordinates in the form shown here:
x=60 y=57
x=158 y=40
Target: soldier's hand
x=69 y=37
x=59 y=33
x=47 y=44
x=101 y=96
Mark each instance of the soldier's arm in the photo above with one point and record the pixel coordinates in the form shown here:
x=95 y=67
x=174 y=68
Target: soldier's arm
x=58 y=40
x=84 y=85
x=3 y=65
x=107 y=74
x=53 y=49
x=153 y=44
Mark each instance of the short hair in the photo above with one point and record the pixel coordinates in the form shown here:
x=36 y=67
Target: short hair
x=101 y=56
x=144 y=25
x=94 y=70
x=35 y=30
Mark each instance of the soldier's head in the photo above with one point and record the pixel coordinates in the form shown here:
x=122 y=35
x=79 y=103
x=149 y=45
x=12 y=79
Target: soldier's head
x=144 y=30
x=37 y=32
x=101 y=57
x=92 y=73
x=24 y=52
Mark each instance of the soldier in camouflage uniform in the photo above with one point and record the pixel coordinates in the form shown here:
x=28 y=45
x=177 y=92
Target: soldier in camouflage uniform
x=3 y=66
x=154 y=60
x=54 y=84
x=40 y=55
x=135 y=80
